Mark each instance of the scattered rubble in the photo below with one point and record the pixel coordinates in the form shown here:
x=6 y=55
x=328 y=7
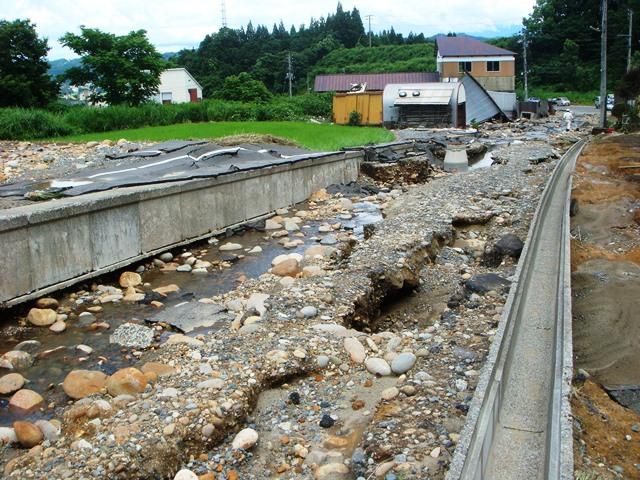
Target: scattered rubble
x=346 y=356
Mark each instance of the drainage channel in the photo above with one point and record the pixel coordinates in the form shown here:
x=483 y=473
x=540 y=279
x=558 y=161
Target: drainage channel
x=47 y=357
x=519 y=424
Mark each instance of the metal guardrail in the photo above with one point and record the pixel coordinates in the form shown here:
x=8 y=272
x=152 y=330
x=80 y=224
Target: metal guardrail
x=475 y=454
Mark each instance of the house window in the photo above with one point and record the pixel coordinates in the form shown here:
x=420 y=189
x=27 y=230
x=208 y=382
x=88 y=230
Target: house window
x=464 y=67
x=493 y=66
x=166 y=97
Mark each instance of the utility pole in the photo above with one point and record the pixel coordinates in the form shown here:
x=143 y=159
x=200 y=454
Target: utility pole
x=526 y=66
x=629 y=38
x=629 y=41
x=223 y=13
x=368 y=17
x=290 y=74
x=603 y=66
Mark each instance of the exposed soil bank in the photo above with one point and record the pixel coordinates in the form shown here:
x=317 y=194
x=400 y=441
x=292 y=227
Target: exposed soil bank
x=606 y=286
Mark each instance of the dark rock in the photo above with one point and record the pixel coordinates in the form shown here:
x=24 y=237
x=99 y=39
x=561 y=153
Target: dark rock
x=327 y=421
x=574 y=207
x=352 y=189
x=294 y=397
x=368 y=230
x=485 y=282
x=455 y=300
x=509 y=245
x=258 y=225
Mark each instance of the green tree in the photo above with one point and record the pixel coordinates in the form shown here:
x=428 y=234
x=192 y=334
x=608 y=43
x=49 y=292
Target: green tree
x=243 y=88
x=24 y=81
x=553 y=23
x=124 y=69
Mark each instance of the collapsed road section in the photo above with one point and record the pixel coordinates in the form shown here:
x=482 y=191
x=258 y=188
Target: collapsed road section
x=178 y=193
x=352 y=356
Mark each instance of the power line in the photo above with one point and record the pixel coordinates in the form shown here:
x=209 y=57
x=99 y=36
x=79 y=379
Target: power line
x=603 y=66
x=290 y=74
x=368 y=17
x=223 y=13
x=526 y=65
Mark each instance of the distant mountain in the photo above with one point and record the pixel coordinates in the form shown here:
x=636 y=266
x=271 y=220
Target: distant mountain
x=58 y=67
x=61 y=65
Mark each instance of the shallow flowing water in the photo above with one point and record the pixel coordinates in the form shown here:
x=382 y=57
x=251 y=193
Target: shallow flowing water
x=51 y=368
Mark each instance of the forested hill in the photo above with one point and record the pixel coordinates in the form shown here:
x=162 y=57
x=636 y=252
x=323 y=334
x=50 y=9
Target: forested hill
x=384 y=59
x=263 y=52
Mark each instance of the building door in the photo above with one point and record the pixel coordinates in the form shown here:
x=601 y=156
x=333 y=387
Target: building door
x=462 y=115
x=193 y=95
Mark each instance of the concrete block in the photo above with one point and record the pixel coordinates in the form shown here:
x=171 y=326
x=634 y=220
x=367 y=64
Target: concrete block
x=233 y=198
x=115 y=235
x=199 y=212
x=59 y=250
x=15 y=268
x=160 y=223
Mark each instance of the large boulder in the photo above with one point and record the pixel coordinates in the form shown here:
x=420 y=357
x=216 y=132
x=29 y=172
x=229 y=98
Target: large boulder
x=509 y=245
x=10 y=383
x=245 y=439
x=130 y=279
x=28 y=434
x=18 y=359
x=82 y=383
x=486 y=282
x=47 y=302
x=25 y=401
x=287 y=268
x=41 y=317
x=126 y=381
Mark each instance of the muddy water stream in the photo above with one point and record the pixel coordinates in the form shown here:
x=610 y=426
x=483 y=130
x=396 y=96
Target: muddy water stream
x=57 y=354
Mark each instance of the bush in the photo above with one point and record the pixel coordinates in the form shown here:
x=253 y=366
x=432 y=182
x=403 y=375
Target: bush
x=20 y=124
x=619 y=110
x=314 y=105
x=63 y=120
x=243 y=88
x=355 y=118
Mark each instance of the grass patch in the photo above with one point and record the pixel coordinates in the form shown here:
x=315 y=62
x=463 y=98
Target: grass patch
x=309 y=135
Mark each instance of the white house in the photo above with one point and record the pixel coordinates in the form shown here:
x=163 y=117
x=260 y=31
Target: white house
x=177 y=85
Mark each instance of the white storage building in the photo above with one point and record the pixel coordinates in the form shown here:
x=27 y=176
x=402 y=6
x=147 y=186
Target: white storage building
x=177 y=85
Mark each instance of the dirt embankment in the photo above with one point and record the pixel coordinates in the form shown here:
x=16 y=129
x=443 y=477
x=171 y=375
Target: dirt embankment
x=605 y=260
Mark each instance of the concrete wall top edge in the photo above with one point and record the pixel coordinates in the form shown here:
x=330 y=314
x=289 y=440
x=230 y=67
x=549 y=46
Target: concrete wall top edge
x=18 y=217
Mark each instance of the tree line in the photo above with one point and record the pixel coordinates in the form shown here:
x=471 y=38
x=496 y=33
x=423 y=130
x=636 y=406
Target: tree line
x=254 y=63
x=264 y=53
x=563 y=40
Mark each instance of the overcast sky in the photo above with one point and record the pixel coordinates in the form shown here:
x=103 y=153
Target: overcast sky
x=173 y=25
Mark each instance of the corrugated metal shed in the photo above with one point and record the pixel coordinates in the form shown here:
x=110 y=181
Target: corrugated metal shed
x=480 y=105
x=341 y=82
x=468 y=47
x=431 y=94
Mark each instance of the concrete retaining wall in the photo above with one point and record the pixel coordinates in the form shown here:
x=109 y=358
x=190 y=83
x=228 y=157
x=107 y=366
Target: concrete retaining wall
x=55 y=244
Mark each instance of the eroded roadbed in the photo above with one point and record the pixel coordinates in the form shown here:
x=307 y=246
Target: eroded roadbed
x=363 y=366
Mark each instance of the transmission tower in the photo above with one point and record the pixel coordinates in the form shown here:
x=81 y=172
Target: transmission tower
x=223 y=13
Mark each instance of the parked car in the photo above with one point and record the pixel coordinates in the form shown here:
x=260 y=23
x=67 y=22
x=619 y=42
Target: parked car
x=563 y=101
x=533 y=99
